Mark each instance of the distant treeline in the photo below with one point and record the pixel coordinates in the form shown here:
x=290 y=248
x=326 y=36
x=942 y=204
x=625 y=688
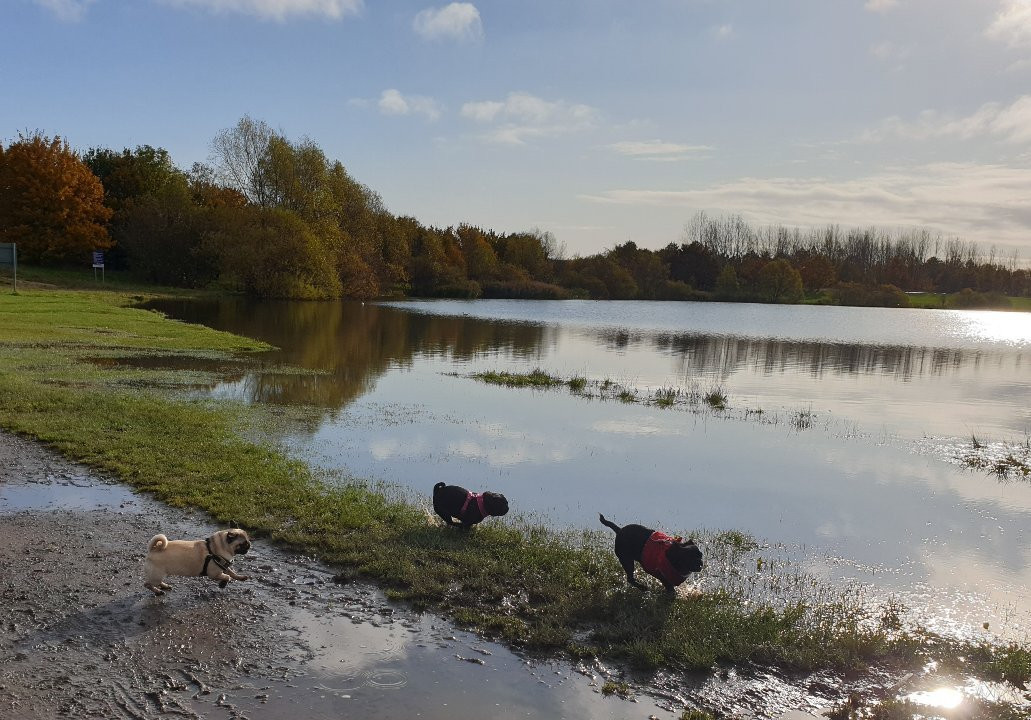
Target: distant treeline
x=277 y=218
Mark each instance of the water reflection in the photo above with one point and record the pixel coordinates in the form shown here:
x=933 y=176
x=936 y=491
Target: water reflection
x=958 y=388
x=391 y=408
x=350 y=344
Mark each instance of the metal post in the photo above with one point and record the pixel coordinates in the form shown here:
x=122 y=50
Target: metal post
x=15 y=254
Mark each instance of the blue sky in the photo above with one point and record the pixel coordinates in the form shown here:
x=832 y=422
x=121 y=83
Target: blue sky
x=598 y=120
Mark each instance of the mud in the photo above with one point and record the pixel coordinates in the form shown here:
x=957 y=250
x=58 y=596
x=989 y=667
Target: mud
x=80 y=636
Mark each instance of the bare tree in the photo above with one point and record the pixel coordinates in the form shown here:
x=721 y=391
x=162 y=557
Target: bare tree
x=238 y=156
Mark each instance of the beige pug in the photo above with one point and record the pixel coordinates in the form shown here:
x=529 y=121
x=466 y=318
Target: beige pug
x=210 y=557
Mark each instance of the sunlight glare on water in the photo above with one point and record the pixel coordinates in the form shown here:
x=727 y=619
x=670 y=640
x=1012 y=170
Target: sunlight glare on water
x=998 y=327
x=945 y=698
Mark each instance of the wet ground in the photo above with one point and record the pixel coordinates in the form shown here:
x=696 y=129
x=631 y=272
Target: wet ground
x=80 y=637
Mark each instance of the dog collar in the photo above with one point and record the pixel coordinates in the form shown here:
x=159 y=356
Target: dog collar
x=212 y=557
x=478 y=497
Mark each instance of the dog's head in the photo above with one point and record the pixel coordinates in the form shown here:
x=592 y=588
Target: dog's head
x=685 y=556
x=235 y=541
x=495 y=503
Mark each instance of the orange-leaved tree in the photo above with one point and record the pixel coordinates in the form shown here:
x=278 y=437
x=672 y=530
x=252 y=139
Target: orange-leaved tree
x=50 y=202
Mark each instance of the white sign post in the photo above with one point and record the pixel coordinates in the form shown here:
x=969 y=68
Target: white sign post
x=9 y=256
x=98 y=262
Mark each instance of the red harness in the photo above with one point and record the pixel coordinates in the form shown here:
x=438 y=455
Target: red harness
x=478 y=497
x=655 y=562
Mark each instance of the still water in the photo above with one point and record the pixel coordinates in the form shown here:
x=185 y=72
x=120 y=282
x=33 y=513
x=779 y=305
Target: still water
x=854 y=466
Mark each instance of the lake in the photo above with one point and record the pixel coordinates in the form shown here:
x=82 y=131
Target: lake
x=843 y=447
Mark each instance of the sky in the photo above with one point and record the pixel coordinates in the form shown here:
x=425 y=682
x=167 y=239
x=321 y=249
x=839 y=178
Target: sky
x=600 y=121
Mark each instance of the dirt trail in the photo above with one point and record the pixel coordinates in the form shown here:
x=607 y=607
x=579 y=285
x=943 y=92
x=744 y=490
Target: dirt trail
x=80 y=637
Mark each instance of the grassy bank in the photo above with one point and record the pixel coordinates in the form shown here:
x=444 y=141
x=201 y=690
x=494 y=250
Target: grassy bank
x=512 y=580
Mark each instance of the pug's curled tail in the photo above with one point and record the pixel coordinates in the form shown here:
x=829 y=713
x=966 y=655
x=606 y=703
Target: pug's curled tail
x=611 y=524
x=158 y=542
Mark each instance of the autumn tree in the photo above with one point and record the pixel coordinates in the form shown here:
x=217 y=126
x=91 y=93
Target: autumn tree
x=151 y=204
x=51 y=205
x=272 y=252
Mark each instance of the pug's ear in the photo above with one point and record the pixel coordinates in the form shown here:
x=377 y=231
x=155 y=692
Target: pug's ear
x=230 y=536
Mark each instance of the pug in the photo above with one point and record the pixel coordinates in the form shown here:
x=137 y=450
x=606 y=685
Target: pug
x=454 y=501
x=210 y=557
x=667 y=559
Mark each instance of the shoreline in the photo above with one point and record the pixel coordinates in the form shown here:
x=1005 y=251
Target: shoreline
x=539 y=591
x=81 y=635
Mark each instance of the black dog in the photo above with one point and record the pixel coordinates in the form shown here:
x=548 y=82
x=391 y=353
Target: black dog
x=668 y=559
x=452 y=501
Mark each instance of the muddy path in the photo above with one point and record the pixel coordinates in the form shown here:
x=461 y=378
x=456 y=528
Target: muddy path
x=80 y=637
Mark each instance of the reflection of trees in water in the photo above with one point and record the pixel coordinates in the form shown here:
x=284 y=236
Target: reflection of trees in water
x=700 y=353
x=348 y=343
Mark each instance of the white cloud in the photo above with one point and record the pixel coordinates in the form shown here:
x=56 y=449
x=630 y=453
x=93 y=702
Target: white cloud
x=723 y=31
x=276 y=9
x=521 y=116
x=67 y=10
x=889 y=52
x=1011 y=123
x=1012 y=24
x=392 y=102
x=880 y=5
x=459 y=20
x=986 y=203
x=658 y=150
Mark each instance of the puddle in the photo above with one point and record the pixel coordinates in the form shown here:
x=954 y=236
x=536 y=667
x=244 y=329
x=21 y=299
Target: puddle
x=66 y=496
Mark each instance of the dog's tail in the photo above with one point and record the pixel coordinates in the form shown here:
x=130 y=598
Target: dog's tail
x=611 y=524
x=158 y=542
x=439 y=486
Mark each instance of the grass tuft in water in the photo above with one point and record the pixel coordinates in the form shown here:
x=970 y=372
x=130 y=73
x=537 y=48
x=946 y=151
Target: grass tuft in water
x=536 y=378
x=716 y=399
x=577 y=383
x=666 y=397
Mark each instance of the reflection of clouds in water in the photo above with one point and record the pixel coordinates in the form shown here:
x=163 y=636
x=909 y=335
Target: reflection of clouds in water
x=526 y=449
x=393 y=448
x=627 y=427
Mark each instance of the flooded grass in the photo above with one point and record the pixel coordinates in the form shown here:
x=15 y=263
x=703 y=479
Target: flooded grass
x=802 y=419
x=716 y=399
x=1005 y=460
x=665 y=397
x=536 y=378
x=577 y=384
x=514 y=580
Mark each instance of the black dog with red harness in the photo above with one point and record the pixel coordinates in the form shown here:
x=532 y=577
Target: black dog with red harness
x=460 y=507
x=668 y=559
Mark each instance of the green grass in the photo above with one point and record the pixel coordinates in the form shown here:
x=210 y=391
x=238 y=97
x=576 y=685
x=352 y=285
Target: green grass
x=621 y=689
x=536 y=378
x=952 y=300
x=666 y=397
x=513 y=580
x=716 y=399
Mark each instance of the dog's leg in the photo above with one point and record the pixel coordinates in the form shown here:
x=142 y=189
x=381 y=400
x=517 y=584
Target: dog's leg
x=628 y=566
x=447 y=518
x=225 y=577
x=165 y=586
x=153 y=578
